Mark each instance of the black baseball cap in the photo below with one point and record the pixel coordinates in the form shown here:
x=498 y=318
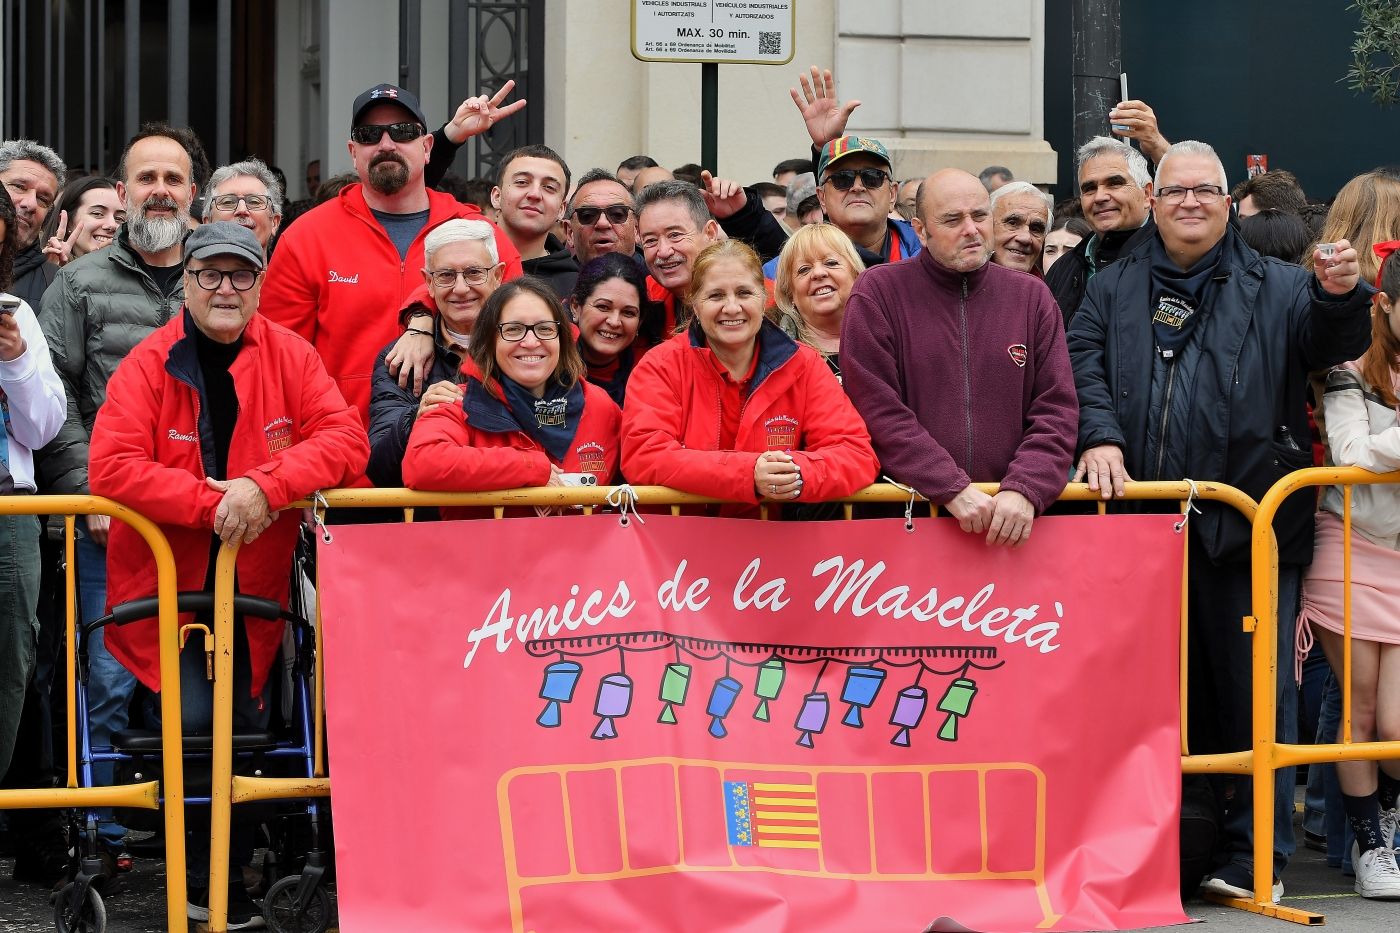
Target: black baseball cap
x=388 y=94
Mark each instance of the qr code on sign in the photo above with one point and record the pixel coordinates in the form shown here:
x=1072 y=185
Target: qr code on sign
x=770 y=43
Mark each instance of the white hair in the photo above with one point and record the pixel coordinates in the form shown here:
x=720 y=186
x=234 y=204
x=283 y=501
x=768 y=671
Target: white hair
x=1138 y=168
x=1193 y=147
x=1025 y=187
x=460 y=231
x=249 y=168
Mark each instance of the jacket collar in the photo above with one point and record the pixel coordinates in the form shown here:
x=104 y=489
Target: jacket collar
x=774 y=349
x=952 y=280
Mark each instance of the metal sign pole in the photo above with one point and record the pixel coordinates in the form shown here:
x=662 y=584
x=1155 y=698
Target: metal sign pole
x=709 y=117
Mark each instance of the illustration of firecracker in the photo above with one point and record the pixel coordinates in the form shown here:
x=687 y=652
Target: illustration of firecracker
x=674 y=687
x=771 y=674
x=956 y=702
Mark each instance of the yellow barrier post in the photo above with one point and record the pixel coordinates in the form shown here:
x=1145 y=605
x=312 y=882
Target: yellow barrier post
x=145 y=795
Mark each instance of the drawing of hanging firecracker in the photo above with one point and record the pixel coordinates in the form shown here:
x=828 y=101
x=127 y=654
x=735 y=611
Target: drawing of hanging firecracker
x=867 y=670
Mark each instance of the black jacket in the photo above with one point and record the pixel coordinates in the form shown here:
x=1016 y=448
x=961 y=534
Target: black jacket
x=557 y=267
x=393 y=410
x=1268 y=325
x=1069 y=276
x=33 y=273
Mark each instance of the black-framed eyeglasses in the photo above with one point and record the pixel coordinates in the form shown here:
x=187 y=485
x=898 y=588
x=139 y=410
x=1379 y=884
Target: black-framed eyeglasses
x=617 y=214
x=447 y=278
x=1205 y=194
x=515 y=331
x=845 y=179
x=368 y=134
x=211 y=280
x=229 y=202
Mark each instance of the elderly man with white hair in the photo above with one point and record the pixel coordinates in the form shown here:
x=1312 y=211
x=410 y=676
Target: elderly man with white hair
x=1191 y=356
x=1021 y=216
x=248 y=194
x=461 y=268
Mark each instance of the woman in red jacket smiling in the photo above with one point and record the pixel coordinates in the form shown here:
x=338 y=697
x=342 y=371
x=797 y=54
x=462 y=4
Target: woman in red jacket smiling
x=735 y=409
x=526 y=416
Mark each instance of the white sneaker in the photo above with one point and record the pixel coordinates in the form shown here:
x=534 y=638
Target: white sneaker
x=1390 y=826
x=1377 y=875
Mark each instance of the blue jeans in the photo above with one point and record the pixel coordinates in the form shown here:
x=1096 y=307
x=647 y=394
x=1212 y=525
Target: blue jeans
x=110 y=686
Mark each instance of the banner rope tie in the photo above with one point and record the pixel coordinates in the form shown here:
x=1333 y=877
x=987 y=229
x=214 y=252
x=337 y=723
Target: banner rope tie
x=1190 y=506
x=319 y=505
x=623 y=498
x=908 y=506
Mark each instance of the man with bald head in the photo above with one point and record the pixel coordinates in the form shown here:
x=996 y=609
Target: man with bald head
x=959 y=368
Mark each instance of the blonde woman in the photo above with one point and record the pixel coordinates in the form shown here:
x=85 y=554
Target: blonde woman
x=816 y=270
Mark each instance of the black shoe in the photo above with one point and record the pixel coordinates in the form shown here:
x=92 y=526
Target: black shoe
x=243 y=913
x=44 y=859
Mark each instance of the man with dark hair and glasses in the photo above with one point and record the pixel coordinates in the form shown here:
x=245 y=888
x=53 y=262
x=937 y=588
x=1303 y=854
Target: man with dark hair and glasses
x=248 y=194
x=213 y=426
x=1191 y=357
x=341 y=273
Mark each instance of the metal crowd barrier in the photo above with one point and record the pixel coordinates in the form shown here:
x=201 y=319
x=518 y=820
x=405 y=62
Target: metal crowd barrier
x=1268 y=753
x=228 y=788
x=147 y=794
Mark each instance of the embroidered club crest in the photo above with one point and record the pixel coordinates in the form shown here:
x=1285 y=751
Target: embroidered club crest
x=279 y=434
x=1018 y=354
x=782 y=432
x=592 y=458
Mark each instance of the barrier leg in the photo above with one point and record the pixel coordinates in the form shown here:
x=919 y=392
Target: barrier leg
x=221 y=776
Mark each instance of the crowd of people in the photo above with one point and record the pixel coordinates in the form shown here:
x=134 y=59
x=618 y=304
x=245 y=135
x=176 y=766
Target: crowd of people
x=193 y=345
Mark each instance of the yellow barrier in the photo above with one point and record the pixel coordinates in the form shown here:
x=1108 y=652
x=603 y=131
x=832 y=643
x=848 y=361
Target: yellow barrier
x=1269 y=754
x=228 y=788
x=144 y=795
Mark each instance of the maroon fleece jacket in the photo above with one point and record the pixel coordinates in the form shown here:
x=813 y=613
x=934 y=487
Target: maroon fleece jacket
x=962 y=377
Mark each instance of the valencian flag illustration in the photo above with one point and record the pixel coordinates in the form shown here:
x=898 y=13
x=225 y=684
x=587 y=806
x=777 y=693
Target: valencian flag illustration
x=710 y=724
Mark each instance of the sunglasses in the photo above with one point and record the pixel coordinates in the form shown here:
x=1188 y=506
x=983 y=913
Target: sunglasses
x=616 y=213
x=845 y=179
x=370 y=133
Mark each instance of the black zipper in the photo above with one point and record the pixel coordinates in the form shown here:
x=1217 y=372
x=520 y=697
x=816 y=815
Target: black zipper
x=1166 y=414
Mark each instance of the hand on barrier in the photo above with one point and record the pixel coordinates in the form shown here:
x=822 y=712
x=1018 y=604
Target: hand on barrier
x=777 y=476
x=1336 y=268
x=243 y=512
x=1012 y=515
x=411 y=359
x=973 y=509
x=824 y=115
x=439 y=393
x=98 y=526
x=478 y=114
x=1103 y=465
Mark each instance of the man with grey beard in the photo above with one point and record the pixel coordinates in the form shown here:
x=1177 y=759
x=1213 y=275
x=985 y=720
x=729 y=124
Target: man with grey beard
x=99 y=306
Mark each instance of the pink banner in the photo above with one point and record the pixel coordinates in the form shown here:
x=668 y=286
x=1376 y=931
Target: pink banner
x=564 y=724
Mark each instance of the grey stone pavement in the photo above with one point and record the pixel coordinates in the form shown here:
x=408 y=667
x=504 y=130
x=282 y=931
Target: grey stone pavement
x=1309 y=884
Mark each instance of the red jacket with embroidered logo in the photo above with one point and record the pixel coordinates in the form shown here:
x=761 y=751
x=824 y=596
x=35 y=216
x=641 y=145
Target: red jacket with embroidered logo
x=337 y=280
x=671 y=425
x=152 y=449
x=448 y=451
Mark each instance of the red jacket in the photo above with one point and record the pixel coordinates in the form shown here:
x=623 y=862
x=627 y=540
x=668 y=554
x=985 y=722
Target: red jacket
x=671 y=426
x=474 y=446
x=151 y=450
x=337 y=280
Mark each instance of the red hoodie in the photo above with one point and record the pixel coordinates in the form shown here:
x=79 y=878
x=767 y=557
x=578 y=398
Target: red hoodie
x=337 y=280
x=151 y=451
x=671 y=426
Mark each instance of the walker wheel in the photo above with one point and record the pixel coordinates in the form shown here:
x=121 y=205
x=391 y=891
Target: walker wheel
x=280 y=908
x=90 y=918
